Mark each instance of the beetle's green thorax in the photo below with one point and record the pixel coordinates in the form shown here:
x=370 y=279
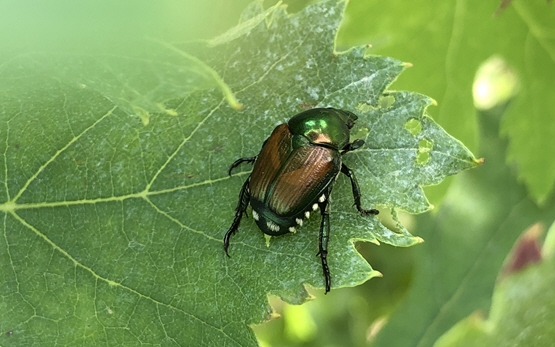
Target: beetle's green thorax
x=324 y=126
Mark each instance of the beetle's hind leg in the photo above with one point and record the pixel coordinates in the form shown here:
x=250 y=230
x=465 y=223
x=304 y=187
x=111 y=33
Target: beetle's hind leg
x=241 y=208
x=239 y=161
x=356 y=191
x=323 y=239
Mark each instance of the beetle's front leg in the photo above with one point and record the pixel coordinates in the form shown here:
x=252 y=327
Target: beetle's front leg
x=323 y=239
x=352 y=146
x=356 y=190
x=239 y=161
x=247 y=159
x=241 y=208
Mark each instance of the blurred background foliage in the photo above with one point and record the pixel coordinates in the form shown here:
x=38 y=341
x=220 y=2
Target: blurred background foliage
x=492 y=73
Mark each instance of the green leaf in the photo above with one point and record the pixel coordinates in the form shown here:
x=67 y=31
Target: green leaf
x=530 y=123
x=114 y=191
x=447 y=41
x=522 y=312
x=466 y=242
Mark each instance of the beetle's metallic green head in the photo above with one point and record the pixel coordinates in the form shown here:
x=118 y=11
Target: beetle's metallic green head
x=348 y=117
x=324 y=126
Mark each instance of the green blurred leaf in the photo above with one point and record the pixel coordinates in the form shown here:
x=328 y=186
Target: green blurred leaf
x=115 y=195
x=466 y=243
x=447 y=41
x=531 y=121
x=522 y=312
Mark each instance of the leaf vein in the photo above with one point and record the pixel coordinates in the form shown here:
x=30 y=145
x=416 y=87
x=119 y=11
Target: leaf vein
x=112 y=283
x=185 y=140
x=57 y=154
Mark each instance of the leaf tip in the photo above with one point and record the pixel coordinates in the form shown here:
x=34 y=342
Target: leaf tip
x=407 y=65
x=274 y=315
x=480 y=161
x=418 y=239
x=433 y=102
x=310 y=297
x=375 y=273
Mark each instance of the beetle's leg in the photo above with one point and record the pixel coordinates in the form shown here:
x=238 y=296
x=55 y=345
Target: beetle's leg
x=239 y=161
x=248 y=159
x=323 y=239
x=242 y=205
x=352 y=146
x=356 y=190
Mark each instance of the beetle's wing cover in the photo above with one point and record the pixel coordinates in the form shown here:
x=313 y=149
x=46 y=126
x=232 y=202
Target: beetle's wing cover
x=269 y=162
x=305 y=175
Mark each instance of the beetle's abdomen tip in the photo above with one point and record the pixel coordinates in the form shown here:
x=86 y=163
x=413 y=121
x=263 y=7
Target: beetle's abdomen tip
x=271 y=227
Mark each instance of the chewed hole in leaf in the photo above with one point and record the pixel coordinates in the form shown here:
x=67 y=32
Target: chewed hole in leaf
x=362 y=132
x=364 y=107
x=425 y=146
x=386 y=101
x=422 y=158
x=414 y=126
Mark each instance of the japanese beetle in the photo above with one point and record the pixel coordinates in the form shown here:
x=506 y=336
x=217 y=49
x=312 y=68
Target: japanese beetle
x=293 y=176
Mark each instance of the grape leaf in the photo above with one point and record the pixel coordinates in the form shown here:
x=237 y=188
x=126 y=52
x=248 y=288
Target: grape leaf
x=466 y=242
x=447 y=42
x=114 y=191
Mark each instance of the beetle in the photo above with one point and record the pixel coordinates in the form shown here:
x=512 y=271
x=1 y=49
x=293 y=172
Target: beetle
x=294 y=173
